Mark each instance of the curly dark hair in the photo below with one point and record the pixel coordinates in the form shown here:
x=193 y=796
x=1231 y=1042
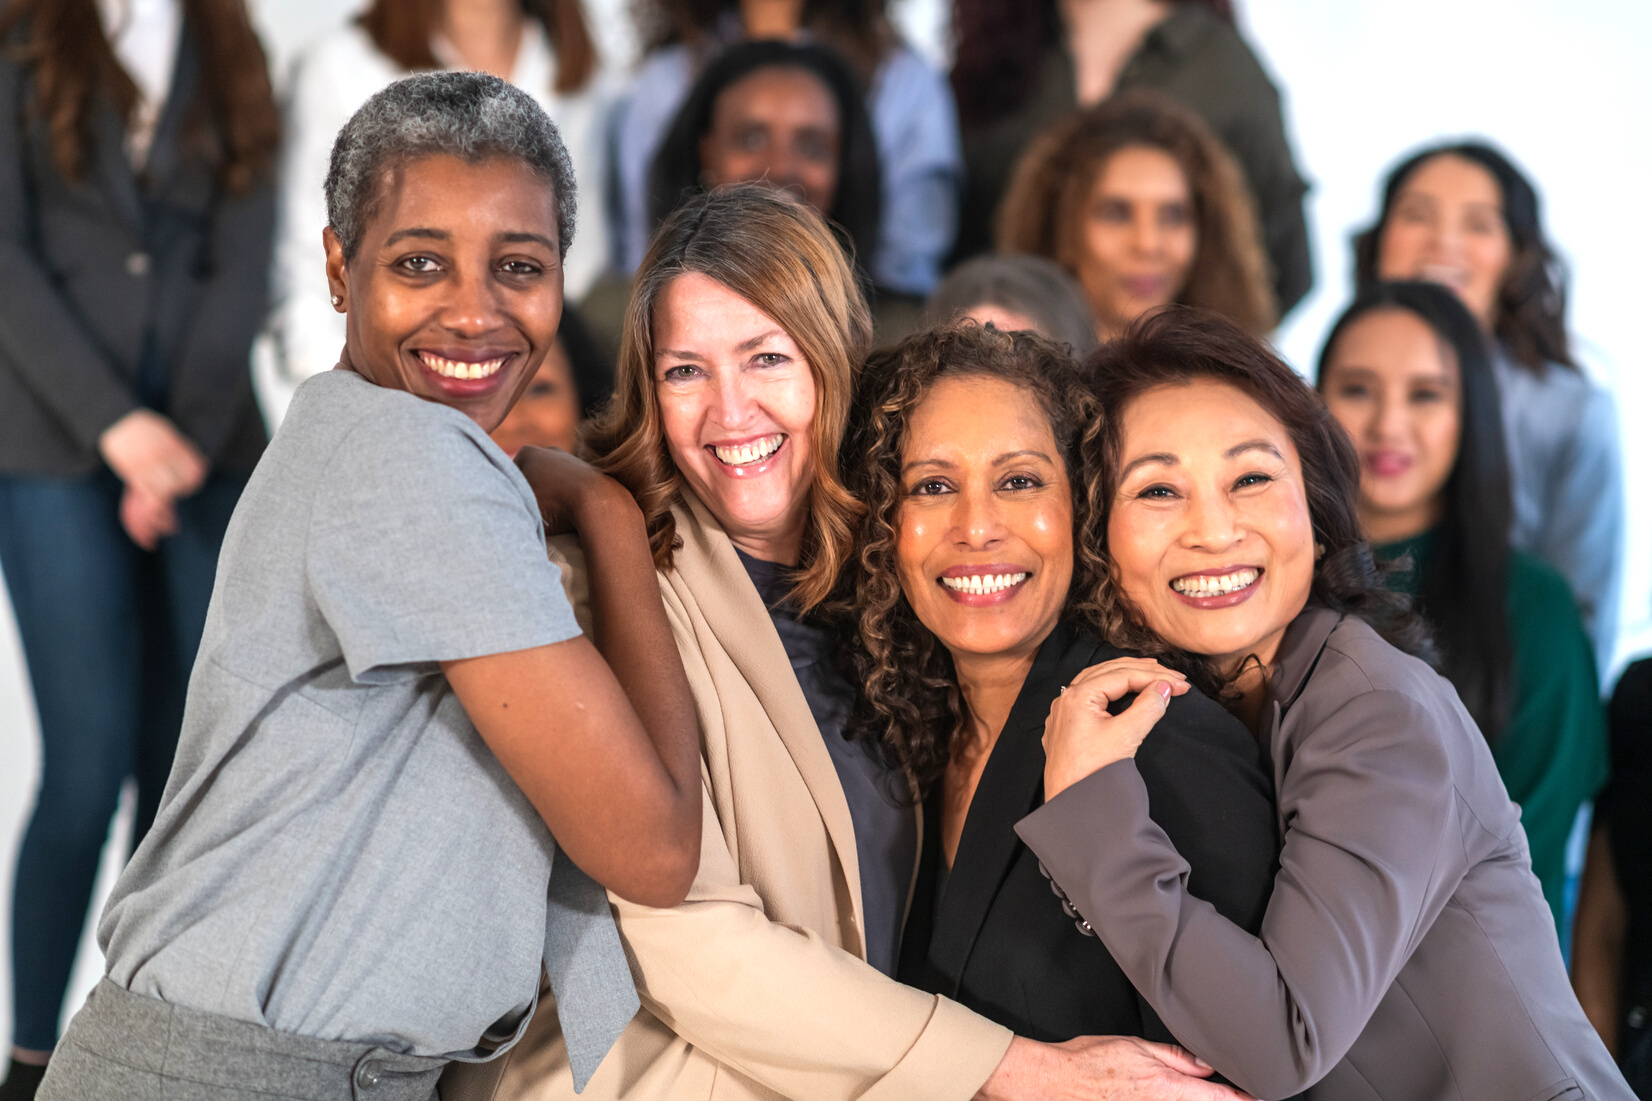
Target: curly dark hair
x=909 y=700
x=1177 y=345
x=1044 y=209
x=1531 y=303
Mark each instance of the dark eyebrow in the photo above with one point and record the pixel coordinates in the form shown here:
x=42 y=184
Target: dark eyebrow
x=1252 y=445
x=527 y=238
x=419 y=231
x=1164 y=457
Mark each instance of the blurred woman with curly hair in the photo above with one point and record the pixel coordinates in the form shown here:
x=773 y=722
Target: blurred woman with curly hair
x=979 y=587
x=1142 y=203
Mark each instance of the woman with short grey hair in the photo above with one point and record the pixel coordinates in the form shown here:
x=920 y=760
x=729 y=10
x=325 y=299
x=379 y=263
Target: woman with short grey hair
x=395 y=722
x=1015 y=290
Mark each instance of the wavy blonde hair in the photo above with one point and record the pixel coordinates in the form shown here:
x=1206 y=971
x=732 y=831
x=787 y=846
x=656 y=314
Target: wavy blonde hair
x=778 y=254
x=1045 y=204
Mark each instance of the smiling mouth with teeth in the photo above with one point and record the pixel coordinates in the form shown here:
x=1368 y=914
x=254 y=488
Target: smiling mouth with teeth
x=748 y=453
x=1216 y=586
x=452 y=368
x=983 y=584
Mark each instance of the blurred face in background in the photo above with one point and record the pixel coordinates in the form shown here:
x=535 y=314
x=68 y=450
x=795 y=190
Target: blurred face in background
x=547 y=413
x=1002 y=318
x=1394 y=385
x=737 y=403
x=778 y=126
x=1137 y=240
x=1446 y=226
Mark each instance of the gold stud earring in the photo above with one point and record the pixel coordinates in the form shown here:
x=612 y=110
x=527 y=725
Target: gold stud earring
x=338 y=300
x=1319 y=551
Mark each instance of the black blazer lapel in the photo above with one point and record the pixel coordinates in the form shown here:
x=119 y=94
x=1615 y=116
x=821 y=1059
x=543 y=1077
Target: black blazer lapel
x=112 y=168
x=1011 y=787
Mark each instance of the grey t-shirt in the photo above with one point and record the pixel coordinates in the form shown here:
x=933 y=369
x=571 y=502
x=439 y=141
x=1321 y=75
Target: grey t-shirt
x=338 y=854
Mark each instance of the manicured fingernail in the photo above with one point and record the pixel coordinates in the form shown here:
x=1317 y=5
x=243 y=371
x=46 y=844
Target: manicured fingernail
x=1164 y=690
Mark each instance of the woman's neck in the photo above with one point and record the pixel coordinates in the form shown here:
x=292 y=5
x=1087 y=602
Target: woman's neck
x=1101 y=36
x=989 y=685
x=486 y=34
x=1397 y=525
x=771 y=18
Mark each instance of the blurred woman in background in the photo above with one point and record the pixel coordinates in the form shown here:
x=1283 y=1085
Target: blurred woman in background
x=780 y=113
x=1142 y=204
x=137 y=146
x=1405 y=371
x=1016 y=291
x=543 y=47
x=571 y=385
x=1021 y=66
x=1464 y=216
x=913 y=120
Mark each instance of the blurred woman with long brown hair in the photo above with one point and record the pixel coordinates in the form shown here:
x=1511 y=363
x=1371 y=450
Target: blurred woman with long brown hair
x=136 y=211
x=1140 y=201
x=544 y=47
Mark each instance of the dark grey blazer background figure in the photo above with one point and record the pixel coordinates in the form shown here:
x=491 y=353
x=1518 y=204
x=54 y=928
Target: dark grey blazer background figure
x=1406 y=953
x=131 y=293
x=95 y=268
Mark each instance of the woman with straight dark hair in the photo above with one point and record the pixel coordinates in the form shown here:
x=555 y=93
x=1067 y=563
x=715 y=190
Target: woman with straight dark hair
x=544 y=47
x=1406 y=951
x=1405 y=371
x=1463 y=215
x=137 y=145
x=1021 y=65
x=786 y=114
x=914 y=124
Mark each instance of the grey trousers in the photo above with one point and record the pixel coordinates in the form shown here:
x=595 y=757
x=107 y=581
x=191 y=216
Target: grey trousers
x=127 y=1047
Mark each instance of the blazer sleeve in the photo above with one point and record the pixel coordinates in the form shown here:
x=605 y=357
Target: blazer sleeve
x=41 y=339
x=784 y=1007
x=1369 y=809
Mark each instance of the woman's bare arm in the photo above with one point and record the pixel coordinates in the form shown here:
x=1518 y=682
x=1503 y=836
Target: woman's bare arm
x=602 y=739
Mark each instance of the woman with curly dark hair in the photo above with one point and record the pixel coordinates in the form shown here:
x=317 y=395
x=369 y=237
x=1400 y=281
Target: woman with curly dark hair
x=1021 y=65
x=1406 y=951
x=1138 y=199
x=977 y=592
x=1465 y=216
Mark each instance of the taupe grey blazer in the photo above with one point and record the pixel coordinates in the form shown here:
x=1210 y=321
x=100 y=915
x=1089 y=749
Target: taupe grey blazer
x=757 y=986
x=1406 y=953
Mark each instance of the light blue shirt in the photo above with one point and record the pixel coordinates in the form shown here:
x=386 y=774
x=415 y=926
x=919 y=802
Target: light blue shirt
x=914 y=123
x=1566 y=480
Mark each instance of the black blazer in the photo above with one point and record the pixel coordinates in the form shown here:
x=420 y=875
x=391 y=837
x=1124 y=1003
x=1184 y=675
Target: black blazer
x=93 y=268
x=1000 y=941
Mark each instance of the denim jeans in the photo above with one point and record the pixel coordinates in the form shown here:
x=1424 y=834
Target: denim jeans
x=110 y=633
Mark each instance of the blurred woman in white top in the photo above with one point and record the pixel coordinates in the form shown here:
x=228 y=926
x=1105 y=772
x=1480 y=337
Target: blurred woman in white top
x=543 y=47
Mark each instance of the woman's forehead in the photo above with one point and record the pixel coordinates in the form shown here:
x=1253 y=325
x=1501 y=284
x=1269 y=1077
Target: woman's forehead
x=498 y=196
x=1200 y=419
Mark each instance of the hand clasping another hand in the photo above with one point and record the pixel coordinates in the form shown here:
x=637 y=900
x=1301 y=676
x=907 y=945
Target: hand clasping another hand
x=1080 y=736
x=1102 y=1068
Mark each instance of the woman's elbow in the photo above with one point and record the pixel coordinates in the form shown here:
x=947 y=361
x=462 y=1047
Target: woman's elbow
x=662 y=881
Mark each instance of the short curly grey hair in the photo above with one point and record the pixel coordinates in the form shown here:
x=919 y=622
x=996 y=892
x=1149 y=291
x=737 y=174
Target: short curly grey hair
x=472 y=116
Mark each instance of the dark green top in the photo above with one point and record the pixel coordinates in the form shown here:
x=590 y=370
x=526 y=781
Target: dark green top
x=1552 y=755
x=1198 y=59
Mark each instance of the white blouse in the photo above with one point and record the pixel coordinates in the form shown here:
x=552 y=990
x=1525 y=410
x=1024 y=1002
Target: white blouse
x=328 y=82
x=144 y=35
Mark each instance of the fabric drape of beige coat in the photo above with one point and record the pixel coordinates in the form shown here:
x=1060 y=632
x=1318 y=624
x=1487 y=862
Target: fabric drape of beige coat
x=757 y=986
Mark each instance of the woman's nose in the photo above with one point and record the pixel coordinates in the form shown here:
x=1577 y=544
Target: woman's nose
x=1213 y=523
x=471 y=307
x=735 y=405
x=977 y=520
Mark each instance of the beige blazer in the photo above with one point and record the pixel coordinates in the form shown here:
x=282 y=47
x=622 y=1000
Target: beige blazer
x=757 y=986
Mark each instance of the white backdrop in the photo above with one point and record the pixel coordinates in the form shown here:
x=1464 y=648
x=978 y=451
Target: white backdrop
x=1564 y=86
